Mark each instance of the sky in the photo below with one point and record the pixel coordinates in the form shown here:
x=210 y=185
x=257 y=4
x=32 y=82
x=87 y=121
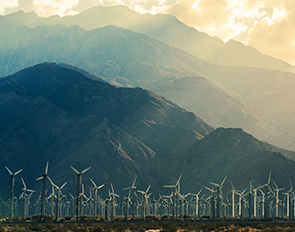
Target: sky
x=267 y=25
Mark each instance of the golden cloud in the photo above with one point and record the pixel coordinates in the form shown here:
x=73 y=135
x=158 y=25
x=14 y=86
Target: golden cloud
x=5 y=4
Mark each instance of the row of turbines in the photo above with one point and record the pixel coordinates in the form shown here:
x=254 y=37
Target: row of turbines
x=262 y=202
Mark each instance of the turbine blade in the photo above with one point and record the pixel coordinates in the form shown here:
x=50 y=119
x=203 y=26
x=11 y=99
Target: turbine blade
x=17 y=172
x=269 y=178
x=85 y=170
x=63 y=185
x=232 y=186
x=178 y=180
x=75 y=170
x=199 y=192
x=100 y=186
x=216 y=185
x=223 y=181
x=128 y=188
x=25 y=187
x=168 y=186
x=93 y=183
x=275 y=184
x=40 y=178
x=133 y=184
x=46 y=169
x=10 y=173
x=112 y=188
x=148 y=188
x=209 y=189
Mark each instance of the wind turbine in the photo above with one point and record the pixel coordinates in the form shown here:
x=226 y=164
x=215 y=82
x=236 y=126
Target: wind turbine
x=58 y=198
x=12 y=175
x=277 y=189
x=43 y=189
x=112 y=196
x=197 y=203
x=95 y=197
x=241 y=203
x=289 y=201
x=25 y=198
x=212 y=203
x=175 y=194
x=144 y=200
x=233 y=199
x=79 y=182
x=219 y=193
x=132 y=188
x=267 y=187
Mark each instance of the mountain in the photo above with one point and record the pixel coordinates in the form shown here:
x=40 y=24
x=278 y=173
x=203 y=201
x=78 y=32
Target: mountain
x=57 y=114
x=165 y=28
x=126 y=58
x=54 y=113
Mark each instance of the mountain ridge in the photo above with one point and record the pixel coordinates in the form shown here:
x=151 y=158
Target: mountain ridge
x=153 y=146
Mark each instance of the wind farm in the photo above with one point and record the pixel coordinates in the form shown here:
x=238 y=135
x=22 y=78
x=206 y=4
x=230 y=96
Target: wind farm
x=270 y=203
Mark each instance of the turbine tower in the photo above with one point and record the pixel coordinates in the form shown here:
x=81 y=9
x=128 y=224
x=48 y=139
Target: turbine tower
x=267 y=187
x=79 y=183
x=58 y=198
x=175 y=194
x=25 y=199
x=277 y=189
x=11 y=192
x=132 y=188
x=43 y=190
x=95 y=197
x=219 y=193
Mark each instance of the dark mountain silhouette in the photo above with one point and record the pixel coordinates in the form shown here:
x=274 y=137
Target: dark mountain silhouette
x=57 y=114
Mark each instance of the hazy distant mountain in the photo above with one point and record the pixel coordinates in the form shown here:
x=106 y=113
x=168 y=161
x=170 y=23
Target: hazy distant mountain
x=57 y=114
x=126 y=58
x=165 y=28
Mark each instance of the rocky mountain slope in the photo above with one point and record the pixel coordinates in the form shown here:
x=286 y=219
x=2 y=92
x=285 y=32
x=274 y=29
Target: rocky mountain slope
x=126 y=58
x=57 y=114
x=165 y=28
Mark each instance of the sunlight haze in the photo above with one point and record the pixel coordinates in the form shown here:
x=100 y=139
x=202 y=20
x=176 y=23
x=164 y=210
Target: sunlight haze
x=267 y=25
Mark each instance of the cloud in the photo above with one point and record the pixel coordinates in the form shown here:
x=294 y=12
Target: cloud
x=45 y=8
x=141 y=6
x=267 y=25
x=7 y=4
x=275 y=35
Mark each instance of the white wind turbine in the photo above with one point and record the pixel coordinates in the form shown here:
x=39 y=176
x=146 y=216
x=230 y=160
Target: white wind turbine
x=212 y=203
x=219 y=194
x=95 y=197
x=175 y=194
x=79 y=183
x=144 y=200
x=289 y=201
x=233 y=199
x=197 y=208
x=43 y=177
x=58 y=198
x=132 y=188
x=241 y=205
x=277 y=189
x=267 y=187
x=11 y=192
x=112 y=196
x=25 y=198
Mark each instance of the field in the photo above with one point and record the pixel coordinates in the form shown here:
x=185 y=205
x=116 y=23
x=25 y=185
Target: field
x=151 y=227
